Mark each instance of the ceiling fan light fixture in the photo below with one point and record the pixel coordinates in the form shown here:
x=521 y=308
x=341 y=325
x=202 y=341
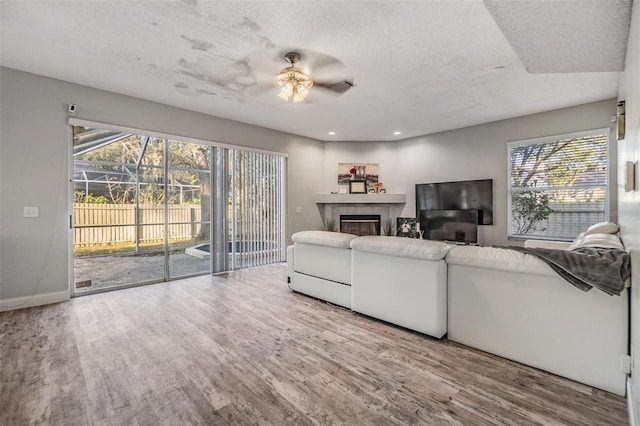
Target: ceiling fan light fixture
x=299 y=93
x=292 y=81
x=286 y=92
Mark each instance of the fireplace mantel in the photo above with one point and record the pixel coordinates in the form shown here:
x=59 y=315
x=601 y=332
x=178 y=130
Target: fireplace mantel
x=360 y=198
x=386 y=206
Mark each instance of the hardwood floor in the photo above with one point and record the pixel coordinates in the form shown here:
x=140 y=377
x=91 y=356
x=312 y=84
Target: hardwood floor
x=243 y=349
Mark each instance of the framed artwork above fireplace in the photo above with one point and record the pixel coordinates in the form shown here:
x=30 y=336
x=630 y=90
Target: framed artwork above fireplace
x=357 y=171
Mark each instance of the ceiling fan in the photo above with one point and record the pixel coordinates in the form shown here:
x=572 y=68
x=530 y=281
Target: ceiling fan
x=294 y=83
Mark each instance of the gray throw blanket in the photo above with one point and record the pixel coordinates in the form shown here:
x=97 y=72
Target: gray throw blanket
x=604 y=268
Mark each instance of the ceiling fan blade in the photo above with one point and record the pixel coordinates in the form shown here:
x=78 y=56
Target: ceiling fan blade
x=337 y=87
x=321 y=64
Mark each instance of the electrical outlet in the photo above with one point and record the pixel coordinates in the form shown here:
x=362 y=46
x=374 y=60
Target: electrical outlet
x=30 y=212
x=298 y=209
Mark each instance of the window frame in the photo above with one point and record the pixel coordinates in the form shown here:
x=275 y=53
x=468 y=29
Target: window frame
x=550 y=139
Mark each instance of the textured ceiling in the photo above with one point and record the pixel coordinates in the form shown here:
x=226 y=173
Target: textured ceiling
x=419 y=66
x=565 y=36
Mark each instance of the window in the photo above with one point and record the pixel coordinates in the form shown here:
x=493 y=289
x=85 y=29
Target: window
x=557 y=185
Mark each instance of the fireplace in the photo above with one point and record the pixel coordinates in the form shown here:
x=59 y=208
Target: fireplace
x=360 y=224
x=384 y=207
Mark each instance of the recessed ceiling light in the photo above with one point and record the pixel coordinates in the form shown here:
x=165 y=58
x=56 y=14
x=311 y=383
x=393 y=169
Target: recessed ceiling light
x=397 y=132
x=332 y=133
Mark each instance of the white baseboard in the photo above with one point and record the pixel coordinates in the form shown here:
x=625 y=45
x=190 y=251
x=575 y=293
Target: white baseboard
x=632 y=410
x=35 y=300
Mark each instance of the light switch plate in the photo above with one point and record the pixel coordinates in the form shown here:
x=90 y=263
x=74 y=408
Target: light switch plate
x=30 y=212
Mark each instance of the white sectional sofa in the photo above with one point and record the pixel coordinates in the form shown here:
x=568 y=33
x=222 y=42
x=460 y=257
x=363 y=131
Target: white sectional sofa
x=497 y=300
x=319 y=264
x=514 y=305
x=402 y=281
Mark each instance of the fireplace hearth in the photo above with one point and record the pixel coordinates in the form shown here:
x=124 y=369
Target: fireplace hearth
x=361 y=224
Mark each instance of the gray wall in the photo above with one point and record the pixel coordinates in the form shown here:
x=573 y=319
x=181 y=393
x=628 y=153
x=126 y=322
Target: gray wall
x=477 y=152
x=34 y=168
x=34 y=164
x=629 y=202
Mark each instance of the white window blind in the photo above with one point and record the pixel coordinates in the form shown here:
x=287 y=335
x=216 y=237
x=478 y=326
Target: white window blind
x=257 y=212
x=557 y=185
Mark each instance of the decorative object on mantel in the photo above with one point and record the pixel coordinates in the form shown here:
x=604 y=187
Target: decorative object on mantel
x=620 y=118
x=357 y=187
x=379 y=187
x=371 y=189
x=357 y=171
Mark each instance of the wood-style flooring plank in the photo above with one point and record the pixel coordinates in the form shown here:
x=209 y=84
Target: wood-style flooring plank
x=241 y=348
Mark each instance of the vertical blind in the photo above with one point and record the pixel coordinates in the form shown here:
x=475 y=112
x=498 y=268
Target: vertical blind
x=256 y=208
x=557 y=185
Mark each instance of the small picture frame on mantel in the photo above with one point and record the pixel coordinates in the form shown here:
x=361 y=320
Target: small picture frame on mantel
x=357 y=187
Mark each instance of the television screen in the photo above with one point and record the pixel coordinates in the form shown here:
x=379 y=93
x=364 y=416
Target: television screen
x=450 y=225
x=462 y=195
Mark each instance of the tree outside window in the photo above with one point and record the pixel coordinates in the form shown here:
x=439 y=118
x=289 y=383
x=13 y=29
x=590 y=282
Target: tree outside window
x=557 y=185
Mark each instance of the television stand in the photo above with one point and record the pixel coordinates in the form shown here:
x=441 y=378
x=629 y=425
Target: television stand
x=462 y=243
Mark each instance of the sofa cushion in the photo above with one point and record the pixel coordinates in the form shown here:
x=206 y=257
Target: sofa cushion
x=602 y=228
x=498 y=259
x=401 y=247
x=324 y=238
x=597 y=240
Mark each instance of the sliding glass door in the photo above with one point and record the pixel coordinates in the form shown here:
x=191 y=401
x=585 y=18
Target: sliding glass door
x=141 y=209
x=188 y=209
x=150 y=209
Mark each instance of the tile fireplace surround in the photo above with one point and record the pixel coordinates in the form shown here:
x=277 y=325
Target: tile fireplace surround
x=388 y=206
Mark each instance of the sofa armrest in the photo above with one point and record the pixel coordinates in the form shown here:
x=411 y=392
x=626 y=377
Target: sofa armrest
x=558 y=245
x=324 y=238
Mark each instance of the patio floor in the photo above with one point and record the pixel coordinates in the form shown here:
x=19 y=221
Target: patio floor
x=113 y=271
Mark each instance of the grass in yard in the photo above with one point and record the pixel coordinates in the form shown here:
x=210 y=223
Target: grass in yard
x=130 y=248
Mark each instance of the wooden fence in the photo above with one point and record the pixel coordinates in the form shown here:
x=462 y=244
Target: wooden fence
x=97 y=224
x=569 y=219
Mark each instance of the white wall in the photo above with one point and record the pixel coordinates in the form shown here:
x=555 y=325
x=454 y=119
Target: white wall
x=629 y=202
x=34 y=170
x=477 y=152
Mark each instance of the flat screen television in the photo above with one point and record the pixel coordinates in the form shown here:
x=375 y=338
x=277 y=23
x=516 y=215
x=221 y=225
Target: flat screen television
x=461 y=195
x=450 y=225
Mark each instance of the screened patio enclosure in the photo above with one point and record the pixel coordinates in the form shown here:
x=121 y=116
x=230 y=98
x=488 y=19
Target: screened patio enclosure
x=149 y=209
